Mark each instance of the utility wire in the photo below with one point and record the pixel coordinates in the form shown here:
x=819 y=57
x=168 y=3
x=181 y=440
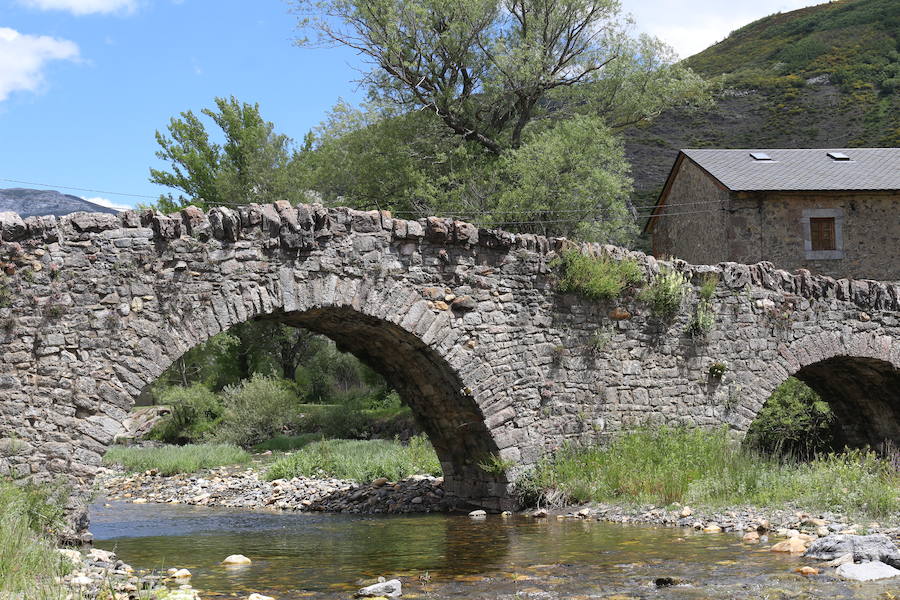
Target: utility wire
x=587 y=215
x=69 y=187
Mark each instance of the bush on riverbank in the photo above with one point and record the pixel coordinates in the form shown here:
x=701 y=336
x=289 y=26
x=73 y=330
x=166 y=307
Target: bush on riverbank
x=29 y=562
x=196 y=411
x=169 y=460
x=665 y=465
x=257 y=410
x=358 y=460
x=794 y=421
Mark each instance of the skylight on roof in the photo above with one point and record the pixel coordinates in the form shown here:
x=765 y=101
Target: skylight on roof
x=760 y=156
x=838 y=156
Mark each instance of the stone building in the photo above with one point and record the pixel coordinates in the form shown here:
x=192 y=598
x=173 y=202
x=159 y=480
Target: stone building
x=834 y=212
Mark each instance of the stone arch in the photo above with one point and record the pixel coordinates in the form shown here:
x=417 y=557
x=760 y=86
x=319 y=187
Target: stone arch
x=387 y=324
x=858 y=374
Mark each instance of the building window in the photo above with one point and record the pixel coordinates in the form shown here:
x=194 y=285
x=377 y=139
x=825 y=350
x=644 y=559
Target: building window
x=821 y=233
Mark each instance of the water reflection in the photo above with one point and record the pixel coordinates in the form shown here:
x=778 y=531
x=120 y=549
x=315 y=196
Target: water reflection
x=298 y=555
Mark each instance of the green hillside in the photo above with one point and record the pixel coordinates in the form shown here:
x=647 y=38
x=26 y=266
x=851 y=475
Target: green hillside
x=826 y=75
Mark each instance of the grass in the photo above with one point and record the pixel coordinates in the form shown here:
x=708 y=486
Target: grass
x=288 y=443
x=358 y=460
x=665 y=465
x=596 y=278
x=29 y=562
x=169 y=460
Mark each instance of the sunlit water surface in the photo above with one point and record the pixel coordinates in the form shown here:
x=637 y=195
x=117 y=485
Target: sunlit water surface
x=313 y=555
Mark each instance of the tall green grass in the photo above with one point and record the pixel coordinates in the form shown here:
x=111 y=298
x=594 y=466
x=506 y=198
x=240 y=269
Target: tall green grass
x=169 y=460
x=29 y=562
x=664 y=465
x=359 y=460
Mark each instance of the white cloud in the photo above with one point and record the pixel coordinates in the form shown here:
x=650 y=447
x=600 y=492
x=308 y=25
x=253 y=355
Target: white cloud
x=23 y=58
x=83 y=7
x=108 y=203
x=689 y=26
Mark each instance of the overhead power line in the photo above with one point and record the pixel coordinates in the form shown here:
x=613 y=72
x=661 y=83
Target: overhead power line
x=80 y=189
x=578 y=215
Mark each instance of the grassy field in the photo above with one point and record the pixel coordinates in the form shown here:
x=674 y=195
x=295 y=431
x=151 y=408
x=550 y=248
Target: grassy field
x=29 y=562
x=169 y=460
x=666 y=465
x=359 y=460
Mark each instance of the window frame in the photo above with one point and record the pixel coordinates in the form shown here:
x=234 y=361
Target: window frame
x=823 y=213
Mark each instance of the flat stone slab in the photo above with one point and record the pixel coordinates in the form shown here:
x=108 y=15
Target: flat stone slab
x=868 y=571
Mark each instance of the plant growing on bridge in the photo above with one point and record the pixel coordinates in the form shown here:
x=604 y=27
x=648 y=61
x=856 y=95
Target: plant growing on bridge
x=703 y=320
x=666 y=293
x=492 y=463
x=596 y=278
x=717 y=369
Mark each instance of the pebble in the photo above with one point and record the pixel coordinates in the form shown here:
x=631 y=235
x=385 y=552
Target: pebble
x=236 y=559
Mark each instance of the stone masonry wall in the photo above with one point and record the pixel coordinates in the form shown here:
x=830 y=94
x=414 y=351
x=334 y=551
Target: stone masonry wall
x=692 y=224
x=770 y=226
x=466 y=323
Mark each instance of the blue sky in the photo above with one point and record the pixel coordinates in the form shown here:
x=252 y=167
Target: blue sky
x=84 y=84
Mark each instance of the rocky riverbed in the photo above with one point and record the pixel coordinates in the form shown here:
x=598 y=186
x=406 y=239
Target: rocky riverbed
x=246 y=489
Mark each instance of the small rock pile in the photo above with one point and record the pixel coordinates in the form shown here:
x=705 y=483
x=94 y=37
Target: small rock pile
x=100 y=574
x=245 y=489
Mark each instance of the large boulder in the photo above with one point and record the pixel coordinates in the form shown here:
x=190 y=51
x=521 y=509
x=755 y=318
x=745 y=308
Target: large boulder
x=865 y=548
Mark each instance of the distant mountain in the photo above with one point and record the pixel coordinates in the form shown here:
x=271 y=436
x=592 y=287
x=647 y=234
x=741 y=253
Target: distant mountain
x=818 y=77
x=30 y=203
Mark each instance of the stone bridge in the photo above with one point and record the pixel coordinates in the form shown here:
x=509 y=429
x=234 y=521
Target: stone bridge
x=466 y=323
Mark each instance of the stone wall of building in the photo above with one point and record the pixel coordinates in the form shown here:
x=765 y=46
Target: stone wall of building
x=466 y=323
x=771 y=226
x=693 y=223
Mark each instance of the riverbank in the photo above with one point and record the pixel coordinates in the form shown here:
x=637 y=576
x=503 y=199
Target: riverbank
x=234 y=487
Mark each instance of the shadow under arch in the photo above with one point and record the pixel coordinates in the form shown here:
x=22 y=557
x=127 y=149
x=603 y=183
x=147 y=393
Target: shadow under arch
x=441 y=403
x=863 y=393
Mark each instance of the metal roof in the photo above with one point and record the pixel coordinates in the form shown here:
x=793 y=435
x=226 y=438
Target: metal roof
x=806 y=169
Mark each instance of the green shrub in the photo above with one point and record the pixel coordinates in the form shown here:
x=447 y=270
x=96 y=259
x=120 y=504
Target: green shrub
x=794 y=421
x=596 y=278
x=196 y=411
x=169 y=460
x=258 y=409
x=666 y=293
x=359 y=460
x=29 y=563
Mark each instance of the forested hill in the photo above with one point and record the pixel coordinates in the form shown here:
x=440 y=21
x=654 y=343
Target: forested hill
x=826 y=75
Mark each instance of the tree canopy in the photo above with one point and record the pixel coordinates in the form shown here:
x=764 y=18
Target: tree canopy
x=488 y=68
x=501 y=112
x=253 y=163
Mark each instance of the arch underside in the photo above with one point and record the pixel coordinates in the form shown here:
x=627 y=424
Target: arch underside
x=864 y=394
x=438 y=398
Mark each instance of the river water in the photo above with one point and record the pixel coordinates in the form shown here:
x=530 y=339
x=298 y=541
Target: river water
x=438 y=556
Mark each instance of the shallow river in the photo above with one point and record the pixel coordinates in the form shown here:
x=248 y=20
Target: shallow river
x=313 y=555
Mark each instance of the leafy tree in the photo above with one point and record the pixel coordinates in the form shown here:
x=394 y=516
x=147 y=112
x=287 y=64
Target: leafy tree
x=488 y=68
x=254 y=164
x=471 y=108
